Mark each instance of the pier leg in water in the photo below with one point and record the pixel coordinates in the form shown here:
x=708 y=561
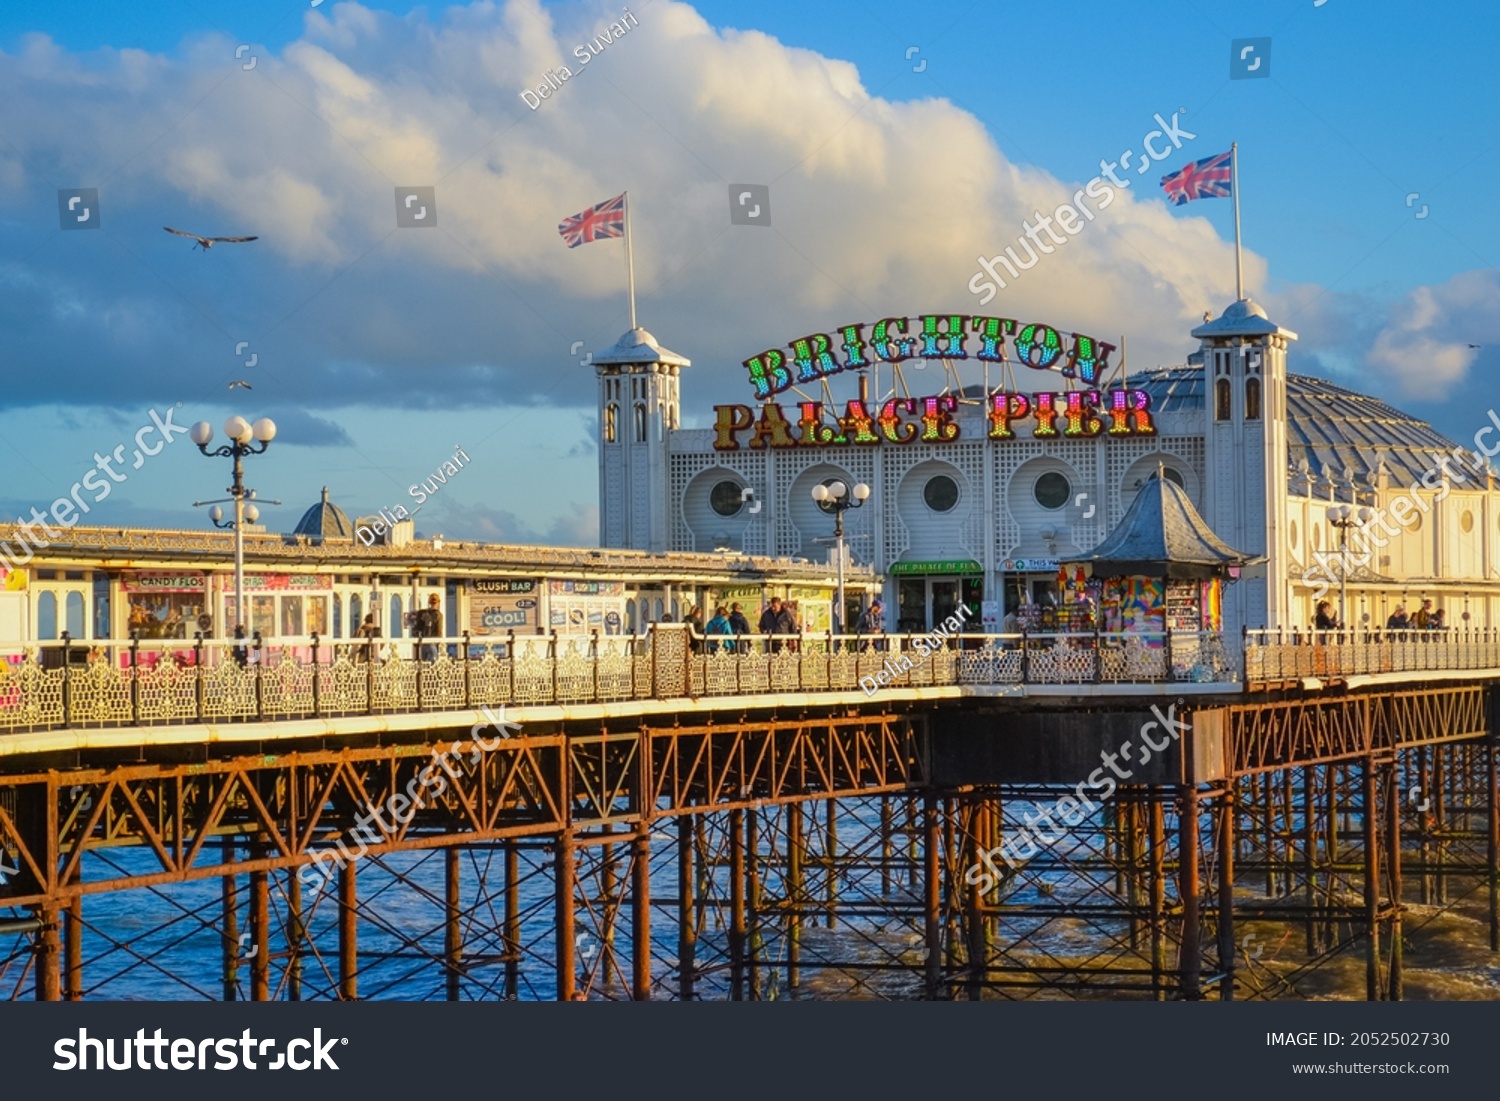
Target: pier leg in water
x=752 y=901
x=932 y=840
x=737 y=904
x=73 y=950
x=260 y=936
x=640 y=915
x=48 y=954
x=1158 y=845
x=1492 y=802
x=794 y=870
x=1370 y=814
x=1393 y=859
x=452 y=929
x=564 y=864
x=229 y=895
x=512 y=929
x=1188 y=886
x=296 y=934
x=1224 y=850
x=348 y=932
x=687 y=930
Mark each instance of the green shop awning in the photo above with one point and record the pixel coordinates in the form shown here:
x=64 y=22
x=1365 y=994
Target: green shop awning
x=949 y=565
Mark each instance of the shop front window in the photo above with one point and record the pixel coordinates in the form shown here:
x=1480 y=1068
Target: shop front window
x=46 y=615
x=262 y=616
x=291 y=616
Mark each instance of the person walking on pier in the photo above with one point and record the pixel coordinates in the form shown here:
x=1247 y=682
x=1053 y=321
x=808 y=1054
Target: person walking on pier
x=1422 y=617
x=694 y=621
x=369 y=630
x=872 y=622
x=740 y=626
x=718 y=626
x=1398 y=621
x=241 y=651
x=430 y=625
x=778 y=620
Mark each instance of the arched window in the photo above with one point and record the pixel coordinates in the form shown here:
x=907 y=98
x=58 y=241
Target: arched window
x=611 y=413
x=1252 y=399
x=338 y=616
x=356 y=617
x=46 y=615
x=395 y=628
x=1221 y=400
x=74 y=615
x=640 y=423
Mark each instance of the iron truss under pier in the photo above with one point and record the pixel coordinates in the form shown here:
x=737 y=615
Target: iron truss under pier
x=791 y=851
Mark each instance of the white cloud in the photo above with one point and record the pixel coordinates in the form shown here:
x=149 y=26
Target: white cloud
x=1424 y=347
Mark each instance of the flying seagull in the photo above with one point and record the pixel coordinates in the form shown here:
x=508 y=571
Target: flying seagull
x=208 y=242
x=1476 y=345
x=238 y=383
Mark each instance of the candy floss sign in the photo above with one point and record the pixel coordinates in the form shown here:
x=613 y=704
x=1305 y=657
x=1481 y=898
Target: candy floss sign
x=1074 y=414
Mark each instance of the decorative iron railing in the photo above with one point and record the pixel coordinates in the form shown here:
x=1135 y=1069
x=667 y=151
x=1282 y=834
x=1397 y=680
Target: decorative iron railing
x=75 y=683
x=1292 y=655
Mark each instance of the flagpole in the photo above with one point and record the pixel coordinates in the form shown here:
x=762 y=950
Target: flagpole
x=630 y=258
x=1234 y=187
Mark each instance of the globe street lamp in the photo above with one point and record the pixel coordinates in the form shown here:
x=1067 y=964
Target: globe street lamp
x=1343 y=518
x=242 y=439
x=836 y=497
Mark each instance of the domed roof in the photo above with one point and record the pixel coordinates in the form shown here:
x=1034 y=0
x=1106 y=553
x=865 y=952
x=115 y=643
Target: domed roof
x=325 y=520
x=1242 y=318
x=1330 y=427
x=639 y=346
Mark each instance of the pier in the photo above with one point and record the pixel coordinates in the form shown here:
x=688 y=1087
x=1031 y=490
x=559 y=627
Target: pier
x=638 y=817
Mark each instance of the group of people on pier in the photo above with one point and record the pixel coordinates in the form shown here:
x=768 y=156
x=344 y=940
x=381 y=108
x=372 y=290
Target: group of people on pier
x=1424 y=618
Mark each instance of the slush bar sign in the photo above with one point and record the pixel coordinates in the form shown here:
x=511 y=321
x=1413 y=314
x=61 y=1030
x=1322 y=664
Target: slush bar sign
x=931 y=336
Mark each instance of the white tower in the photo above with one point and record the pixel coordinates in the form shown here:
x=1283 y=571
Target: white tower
x=1244 y=370
x=638 y=409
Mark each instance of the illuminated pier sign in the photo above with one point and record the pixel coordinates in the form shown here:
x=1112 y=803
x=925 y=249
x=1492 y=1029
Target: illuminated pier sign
x=1078 y=414
x=931 y=336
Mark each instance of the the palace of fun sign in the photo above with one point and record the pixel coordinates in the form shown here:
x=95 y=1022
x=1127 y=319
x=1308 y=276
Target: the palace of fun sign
x=1073 y=414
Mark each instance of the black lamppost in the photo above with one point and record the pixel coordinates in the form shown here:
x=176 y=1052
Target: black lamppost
x=1342 y=517
x=836 y=497
x=241 y=433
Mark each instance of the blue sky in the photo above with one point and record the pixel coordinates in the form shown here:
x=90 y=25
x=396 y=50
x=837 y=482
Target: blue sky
x=380 y=349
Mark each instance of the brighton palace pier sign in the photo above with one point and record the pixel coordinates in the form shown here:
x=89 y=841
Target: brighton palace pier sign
x=1075 y=414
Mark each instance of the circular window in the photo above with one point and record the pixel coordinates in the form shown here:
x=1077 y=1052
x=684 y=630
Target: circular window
x=1292 y=533
x=726 y=498
x=1466 y=521
x=1052 y=490
x=1415 y=524
x=940 y=493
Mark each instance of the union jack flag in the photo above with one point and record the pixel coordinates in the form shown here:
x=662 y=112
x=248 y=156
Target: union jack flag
x=607 y=219
x=1209 y=178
